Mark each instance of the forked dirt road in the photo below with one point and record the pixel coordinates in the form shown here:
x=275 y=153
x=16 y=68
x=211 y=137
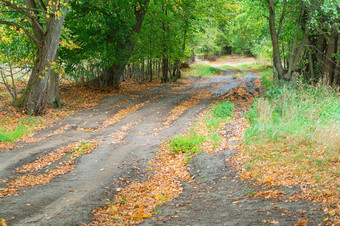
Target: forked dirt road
x=131 y=128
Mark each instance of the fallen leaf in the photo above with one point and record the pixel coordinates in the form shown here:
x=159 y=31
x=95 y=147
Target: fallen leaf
x=302 y=223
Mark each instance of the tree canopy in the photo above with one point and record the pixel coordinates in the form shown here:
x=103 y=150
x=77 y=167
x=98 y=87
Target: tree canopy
x=103 y=43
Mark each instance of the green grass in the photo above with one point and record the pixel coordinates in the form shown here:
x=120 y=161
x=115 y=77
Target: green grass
x=203 y=131
x=307 y=113
x=294 y=140
x=222 y=109
x=202 y=70
x=256 y=67
x=232 y=68
x=25 y=126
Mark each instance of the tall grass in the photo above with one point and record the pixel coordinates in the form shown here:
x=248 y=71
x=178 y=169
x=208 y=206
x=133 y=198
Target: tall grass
x=294 y=140
x=308 y=113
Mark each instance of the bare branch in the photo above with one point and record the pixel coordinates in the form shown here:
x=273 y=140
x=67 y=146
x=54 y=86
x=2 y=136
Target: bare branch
x=34 y=39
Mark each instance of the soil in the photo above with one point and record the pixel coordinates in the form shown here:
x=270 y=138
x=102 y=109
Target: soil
x=69 y=199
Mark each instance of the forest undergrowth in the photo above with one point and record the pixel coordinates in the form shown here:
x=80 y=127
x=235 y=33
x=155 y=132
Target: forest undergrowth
x=293 y=141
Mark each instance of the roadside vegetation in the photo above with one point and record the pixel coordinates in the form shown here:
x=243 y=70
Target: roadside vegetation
x=201 y=70
x=293 y=141
x=204 y=136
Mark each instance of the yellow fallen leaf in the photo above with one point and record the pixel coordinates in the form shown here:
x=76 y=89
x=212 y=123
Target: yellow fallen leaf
x=247 y=175
x=3 y=222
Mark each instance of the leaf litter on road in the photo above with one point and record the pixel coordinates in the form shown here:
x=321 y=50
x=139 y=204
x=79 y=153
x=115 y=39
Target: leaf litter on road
x=75 y=150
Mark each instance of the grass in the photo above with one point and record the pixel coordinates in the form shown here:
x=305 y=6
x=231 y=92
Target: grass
x=294 y=140
x=258 y=67
x=22 y=128
x=237 y=70
x=202 y=70
x=204 y=135
x=305 y=113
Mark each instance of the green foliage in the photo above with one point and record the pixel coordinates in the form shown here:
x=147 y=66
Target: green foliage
x=307 y=113
x=203 y=131
x=190 y=144
x=25 y=126
x=202 y=70
x=223 y=109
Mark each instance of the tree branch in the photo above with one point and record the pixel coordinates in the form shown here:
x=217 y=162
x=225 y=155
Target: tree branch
x=282 y=19
x=42 y=5
x=34 y=39
x=25 y=12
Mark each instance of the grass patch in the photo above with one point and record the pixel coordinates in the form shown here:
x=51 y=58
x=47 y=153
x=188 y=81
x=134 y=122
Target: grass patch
x=294 y=140
x=237 y=70
x=202 y=70
x=258 y=67
x=204 y=135
x=24 y=126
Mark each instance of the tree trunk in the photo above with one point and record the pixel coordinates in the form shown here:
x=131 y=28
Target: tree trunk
x=34 y=97
x=275 y=41
x=165 y=69
x=177 y=71
x=150 y=70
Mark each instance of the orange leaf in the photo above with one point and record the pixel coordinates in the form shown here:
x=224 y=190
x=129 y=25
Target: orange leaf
x=302 y=223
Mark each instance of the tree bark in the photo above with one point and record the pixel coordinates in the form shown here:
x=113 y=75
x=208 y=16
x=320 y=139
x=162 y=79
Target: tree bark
x=165 y=69
x=53 y=88
x=34 y=98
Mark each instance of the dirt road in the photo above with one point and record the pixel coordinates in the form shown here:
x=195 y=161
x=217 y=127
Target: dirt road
x=131 y=128
x=69 y=199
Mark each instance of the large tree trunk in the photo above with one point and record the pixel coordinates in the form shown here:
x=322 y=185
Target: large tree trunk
x=34 y=97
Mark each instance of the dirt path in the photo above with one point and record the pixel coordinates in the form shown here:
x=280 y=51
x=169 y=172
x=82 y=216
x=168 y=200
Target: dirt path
x=219 y=197
x=131 y=127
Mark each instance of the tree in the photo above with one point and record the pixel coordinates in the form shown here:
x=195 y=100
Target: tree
x=44 y=26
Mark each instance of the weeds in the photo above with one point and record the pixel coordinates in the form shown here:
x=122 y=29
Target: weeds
x=235 y=69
